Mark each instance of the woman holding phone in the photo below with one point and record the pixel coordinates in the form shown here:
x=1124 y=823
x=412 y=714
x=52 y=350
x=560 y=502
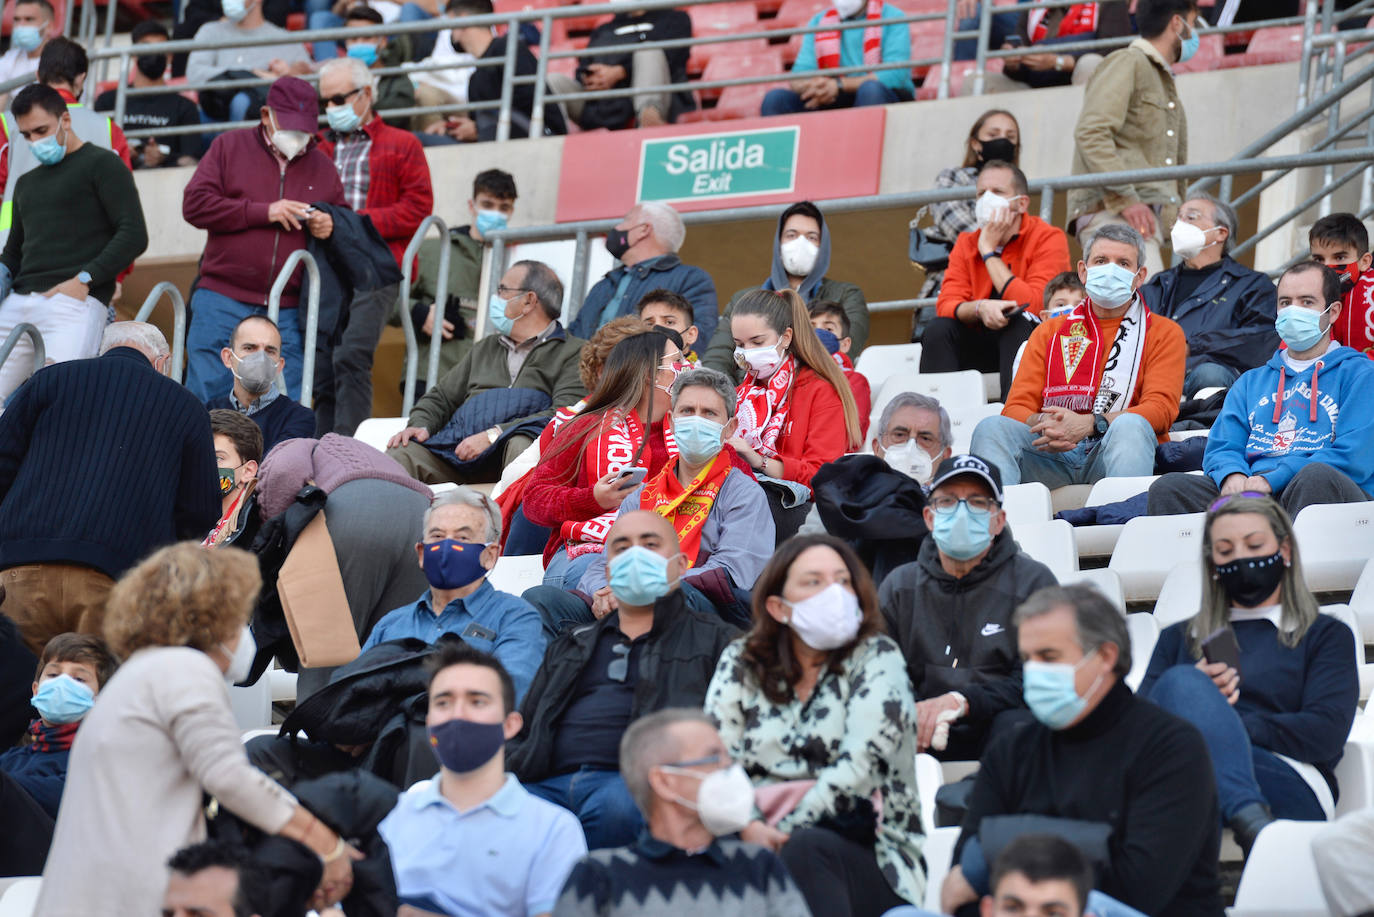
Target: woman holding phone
x=1270 y=682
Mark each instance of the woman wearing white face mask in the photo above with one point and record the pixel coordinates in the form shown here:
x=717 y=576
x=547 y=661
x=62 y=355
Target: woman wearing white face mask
x=163 y=735
x=816 y=704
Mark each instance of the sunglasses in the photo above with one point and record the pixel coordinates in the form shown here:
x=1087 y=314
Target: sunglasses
x=619 y=667
x=1222 y=501
x=337 y=100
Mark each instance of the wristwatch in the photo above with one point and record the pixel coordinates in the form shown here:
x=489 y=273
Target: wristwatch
x=84 y=277
x=493 y=434
x=1100 y=424
x=995 y=253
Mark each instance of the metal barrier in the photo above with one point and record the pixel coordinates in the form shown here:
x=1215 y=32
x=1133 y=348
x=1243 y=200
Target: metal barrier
x=40 y=353
x=312 y=314
x=145 y=312
x=436 y=337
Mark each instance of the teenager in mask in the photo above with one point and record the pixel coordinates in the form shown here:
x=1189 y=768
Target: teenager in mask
x=238 y=453
x=254 y=358
x=1275 y=714
x=168 y=109
x=788 y=703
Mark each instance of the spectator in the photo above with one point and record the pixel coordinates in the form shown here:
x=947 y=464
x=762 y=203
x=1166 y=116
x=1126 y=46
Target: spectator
x=238 y=453
x=485 y=83
x=995 y=136
x=1226 y=310
x=1040 y=874
x=151 y=112
x=32 y=25
x=70 y=673
x=1301 y=684
x=1044 y=29
x=1098 y=755
x=666 y=309
x=826 y=50
x=530 y=350
x=801 y=256
x=1344 y=864
x=472 y=801
x=376 y=51
x=1077 y=411
x=1341 y=242
x=646 y=243
x=712 y=501
x=815 y=704
x=459 y=546
x=253 y=193
x=1300 y=453
x=795 y=410
x=640 y=69
x=830 y=317
x=244 y=19
x=163 y=736
x=254 y=358
x=1062 y=295
x=684 y=862
x=385 y=178
x=214 y=879
x=443 y=85
x=950 y=611
x=1132 y=118
x=101 y=462
x=77 y=222
x=914 y=436
x=995 y=282
x=650 y=653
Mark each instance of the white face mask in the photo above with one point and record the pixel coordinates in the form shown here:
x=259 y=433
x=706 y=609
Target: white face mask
x=725 y=799
x=847 y=8
x=988 y=207
x=762 y=361
x=799 y=256
x=827 y=620
x=288 y=143
x=1188 y=240
x=241 y=657
x=911 y=460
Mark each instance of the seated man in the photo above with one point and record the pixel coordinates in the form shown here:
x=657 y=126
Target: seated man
x=1097 y=388
x=666 y=309
x=651 y=652
x=646 y=243
x=474 y=805
x=460 y=544
x=242 y=19
x=529 y=351
x=995 y=281
x=826 y=50
x=1341 y=242
x=168 y=109
x=215 y=878
x=238 y=453
x=830 y=317
x=709 y=495
x=1225 y=309
x=691 y=797
x=1313 y=444
x=254 y=356
x=950 y=611
x=31 y=26
x=485 y=85
x=1098 y=754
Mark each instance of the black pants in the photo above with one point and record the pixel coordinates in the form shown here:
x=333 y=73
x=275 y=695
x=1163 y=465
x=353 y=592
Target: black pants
x=1193 y=493
x=27 y=830
x=837 y=877
x=950 y=345
x=343 y=380
x=786 y=522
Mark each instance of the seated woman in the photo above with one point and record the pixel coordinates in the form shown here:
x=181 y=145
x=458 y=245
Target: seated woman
x=578 y=485
x=1277 y=722
x=795 y=410
x=994 y=136
x=816 y=705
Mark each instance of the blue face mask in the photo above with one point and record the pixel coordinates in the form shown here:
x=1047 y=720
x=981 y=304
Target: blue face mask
x=452 y=564
x=490 y=221
x=698 y=439
x=462 y=746
x=62 y=700
x=1190 y=45
x=1050 y=694
x=343 y=119
x=496 y=314
x=963 y=533
x=1300 y=328
x=1109 y=285
x=26 y=37
x=639 y=577
x=364 y=52
x=49 y=151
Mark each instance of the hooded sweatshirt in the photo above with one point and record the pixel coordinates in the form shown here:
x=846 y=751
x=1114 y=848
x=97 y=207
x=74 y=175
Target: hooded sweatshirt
x=1274 y=421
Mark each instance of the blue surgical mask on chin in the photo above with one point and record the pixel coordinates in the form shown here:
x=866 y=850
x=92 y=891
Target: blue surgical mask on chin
x=1110 y=285
x=698 y=439
x=496 y=314
x=1300 y=328
x=1048 y=688
x=963 y=533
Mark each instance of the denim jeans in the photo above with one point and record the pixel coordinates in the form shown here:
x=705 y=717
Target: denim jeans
x=421 y=43
x=1207 y=375
x=1127 y=450
x=787 y=102
x=319 y=16
x=1245 y=774
x=564 y=572
x=600 y=801
x=1000 y=28
x=213 y=318
x=523 y=537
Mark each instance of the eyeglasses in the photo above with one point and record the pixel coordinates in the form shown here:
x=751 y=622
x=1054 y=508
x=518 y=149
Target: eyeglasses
x=506 y=292
x=619 y=667
x=337 y=100
x=1222 y=501
x=697 y=762
x=924 y=437
x=946 y=504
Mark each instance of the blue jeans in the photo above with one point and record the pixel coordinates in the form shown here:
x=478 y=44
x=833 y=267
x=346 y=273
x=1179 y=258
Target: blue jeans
x=1207 y=375
x=787 y=102
x=318 y=15
x=213 y=318
x=421 y=43
x=561 y=608
x=600 y=801
x=1245 y=774
x=523 y=537
x=564 y=572
x=1001 y=26
x=1127 y=450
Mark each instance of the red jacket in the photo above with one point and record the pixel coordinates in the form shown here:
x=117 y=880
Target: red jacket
x=814 y=432
x=863 y=393
x=1355 y=326
x=234 y=184
x=399 y=195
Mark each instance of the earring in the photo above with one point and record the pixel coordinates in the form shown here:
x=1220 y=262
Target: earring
x=787 y=619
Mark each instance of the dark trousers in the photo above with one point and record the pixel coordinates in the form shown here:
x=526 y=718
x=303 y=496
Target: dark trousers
x=836 y=876
x=343 y=382
x=27 y=830
x=950 y=345
x=786 y=521
x=1193 y=493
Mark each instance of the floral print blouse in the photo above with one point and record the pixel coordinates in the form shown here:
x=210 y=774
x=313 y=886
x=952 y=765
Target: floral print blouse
x=855 y=734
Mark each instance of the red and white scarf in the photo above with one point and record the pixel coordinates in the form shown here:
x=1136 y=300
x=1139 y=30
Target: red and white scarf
x=611 y=449
x=828 y=43
x=761 y=408
x=1079 y=19
x=1071 y=377
x=1355 y=326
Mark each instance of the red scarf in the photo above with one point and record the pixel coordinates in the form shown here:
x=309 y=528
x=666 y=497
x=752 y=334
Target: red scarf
x=1355 y=327
x=828 y=43
x=611 y=449
x=1072 y=379
x=44 y=738
x=1076 y=20
x=686 y=507
x=761 y=408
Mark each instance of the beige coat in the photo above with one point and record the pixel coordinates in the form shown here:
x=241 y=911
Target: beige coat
x=160 y=733
x=1132 y=118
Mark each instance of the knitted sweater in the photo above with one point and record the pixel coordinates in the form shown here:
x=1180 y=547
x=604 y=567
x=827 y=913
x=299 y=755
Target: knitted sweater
x=329 y=462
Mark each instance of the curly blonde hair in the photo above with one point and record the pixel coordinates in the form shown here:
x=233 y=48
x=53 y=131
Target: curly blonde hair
x=183 y=595
x=595 y=351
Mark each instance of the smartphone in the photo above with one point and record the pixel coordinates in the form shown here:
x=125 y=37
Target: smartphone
x=1221 y=646
x=309 y=210
x=1015 y=41
x=635 y=476
x=1016 y=310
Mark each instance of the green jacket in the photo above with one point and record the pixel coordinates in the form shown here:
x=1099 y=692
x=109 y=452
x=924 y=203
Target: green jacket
x=464 y=282
x=720 y=354
x=396 y=91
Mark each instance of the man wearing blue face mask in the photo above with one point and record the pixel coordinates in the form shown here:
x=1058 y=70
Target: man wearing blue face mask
x=33 y=22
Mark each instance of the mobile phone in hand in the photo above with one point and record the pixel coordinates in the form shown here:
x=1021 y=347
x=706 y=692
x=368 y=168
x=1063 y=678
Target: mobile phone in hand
x=634 y=476
x=1221 y=646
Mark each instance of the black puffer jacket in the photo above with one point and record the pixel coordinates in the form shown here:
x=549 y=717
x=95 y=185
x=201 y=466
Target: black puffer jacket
x=874 y=507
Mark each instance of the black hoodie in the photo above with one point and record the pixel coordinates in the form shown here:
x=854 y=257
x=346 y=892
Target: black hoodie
x=875 y=508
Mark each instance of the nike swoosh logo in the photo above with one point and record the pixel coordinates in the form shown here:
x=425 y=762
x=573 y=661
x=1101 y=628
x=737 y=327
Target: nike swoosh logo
x=992 y=630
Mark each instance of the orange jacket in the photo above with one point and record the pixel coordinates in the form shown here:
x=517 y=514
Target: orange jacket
x=1035 y=255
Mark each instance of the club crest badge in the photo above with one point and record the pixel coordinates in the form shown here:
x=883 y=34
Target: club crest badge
x=1073 y=346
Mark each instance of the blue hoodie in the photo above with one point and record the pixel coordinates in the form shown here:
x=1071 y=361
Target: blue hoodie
x=1255 y=436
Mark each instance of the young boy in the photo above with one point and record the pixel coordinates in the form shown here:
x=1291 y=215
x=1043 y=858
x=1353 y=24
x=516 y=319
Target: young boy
x=1062 y=294
x=670 y=310
x=1341 y=242
x=1039 y=876
x=828 y=315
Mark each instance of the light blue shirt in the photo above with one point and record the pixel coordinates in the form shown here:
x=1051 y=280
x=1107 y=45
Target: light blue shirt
x=896 y=46
x=494 y=622
x=508 y=857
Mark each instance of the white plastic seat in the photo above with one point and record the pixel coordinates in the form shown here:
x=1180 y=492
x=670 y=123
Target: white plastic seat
x=1100 y=540
x=1144 y=631
x=992 y=386
x=1280 y=876
x=962 y=421
x=1106 y=581
x=1151 y=546
x=1051 y=543
x=877 y=363
x=1337 y=540
x=952 y=390
x=1026 y=504
x=1180 y=595
x=939 y=855
x=376 y=431
x=1180 y=435
x=929 y=779
x=1355 y=772
x=21 y=896
x=517 y=573
x=1070 y=496
x=1362 y=600
x=252 y=705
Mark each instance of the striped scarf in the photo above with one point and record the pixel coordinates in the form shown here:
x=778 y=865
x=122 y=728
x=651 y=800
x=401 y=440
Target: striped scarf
x=828 y=43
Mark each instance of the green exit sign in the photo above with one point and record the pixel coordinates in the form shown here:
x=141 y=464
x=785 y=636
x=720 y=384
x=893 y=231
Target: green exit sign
x=734 y=164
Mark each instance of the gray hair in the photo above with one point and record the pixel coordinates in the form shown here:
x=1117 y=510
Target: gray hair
x=922 y=402
x=541 y=280
x=1223 y=214
x=707 y=378
x=647 y=744
x=141 y=336
x=466 y=496
x=665 y=222
x=1118 y=232
x=358 y=72
x=1099 y=621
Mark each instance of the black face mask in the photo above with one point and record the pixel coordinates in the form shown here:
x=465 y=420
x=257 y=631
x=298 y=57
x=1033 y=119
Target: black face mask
x=1000 y=149
x=1248 y=582
x=152 y=65
x=617 y=242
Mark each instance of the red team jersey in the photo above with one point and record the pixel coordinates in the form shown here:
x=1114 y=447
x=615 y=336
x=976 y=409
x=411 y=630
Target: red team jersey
x=1355 y=327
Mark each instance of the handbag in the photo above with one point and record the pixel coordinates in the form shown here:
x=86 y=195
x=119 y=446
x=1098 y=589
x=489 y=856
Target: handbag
x=926 y=250
x=314 y=602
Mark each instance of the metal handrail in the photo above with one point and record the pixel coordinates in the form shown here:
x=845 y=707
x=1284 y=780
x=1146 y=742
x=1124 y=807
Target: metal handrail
x=312 y=314
x=436 y=336
x=40 y=353
x=145 y=312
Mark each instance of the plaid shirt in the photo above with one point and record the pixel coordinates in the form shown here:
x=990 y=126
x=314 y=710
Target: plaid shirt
x=954 y=217
x=351 y=159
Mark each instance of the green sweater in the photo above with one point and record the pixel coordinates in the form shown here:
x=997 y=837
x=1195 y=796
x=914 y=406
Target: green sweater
x=464 y=282
x=82 y=214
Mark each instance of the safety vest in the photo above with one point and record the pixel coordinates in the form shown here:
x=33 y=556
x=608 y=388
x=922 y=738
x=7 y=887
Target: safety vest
x=90 y=126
